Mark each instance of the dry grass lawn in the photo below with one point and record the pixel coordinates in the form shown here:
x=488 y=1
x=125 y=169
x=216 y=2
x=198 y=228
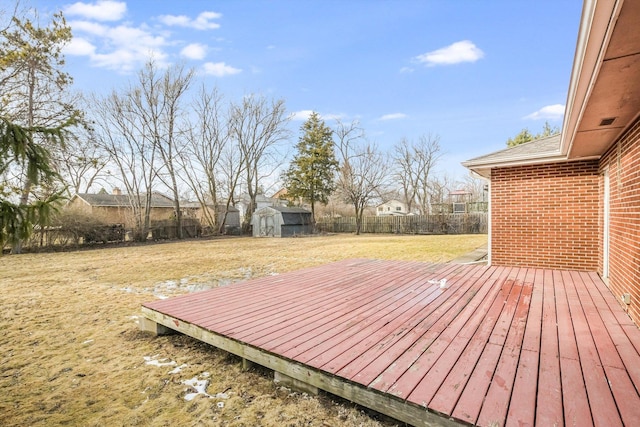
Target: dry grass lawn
x=71 y=352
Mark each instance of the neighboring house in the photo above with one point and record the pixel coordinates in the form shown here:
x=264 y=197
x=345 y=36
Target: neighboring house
x=262 y=201
x=392 y=208
x=116 y=208
x=572 y=201
x=280 y=221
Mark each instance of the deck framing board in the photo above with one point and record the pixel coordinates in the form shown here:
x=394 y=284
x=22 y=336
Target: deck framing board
x=367 y=397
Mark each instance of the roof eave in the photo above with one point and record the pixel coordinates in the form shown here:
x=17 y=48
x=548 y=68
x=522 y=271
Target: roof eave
x=484 y=168
x=596 y=28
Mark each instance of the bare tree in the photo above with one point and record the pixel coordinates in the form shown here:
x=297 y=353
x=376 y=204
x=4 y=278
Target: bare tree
x=201 y=161
x=476 y=186
x=81 y=161
x=439 y=188
x=231 y=172
x=158 y=102
x=118 y=130
x=414 y=163
x=257 y=126
x=363 y=169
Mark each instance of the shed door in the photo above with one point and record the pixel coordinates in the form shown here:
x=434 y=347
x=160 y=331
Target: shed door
x=266 y=226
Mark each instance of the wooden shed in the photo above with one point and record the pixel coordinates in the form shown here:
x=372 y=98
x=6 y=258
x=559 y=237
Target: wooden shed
x=279 y=221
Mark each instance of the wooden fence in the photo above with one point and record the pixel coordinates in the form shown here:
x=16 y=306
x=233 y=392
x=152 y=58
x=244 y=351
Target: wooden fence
x=470 y=223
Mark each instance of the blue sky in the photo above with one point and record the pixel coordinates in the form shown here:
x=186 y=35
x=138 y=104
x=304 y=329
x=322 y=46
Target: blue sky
x=473 y=72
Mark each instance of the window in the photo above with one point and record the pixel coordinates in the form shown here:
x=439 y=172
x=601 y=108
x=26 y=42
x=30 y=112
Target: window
x=398 y=208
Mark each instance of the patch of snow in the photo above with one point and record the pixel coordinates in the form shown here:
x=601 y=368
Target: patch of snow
x=198 y=386
x=154 y=361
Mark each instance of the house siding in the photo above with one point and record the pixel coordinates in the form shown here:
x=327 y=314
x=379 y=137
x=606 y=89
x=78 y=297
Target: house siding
x=623 y=163
x=546 y=216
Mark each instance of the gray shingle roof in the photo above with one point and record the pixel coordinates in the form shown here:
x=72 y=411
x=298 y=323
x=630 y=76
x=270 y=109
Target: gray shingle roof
x=537 y=151
x=284 y=209
x=122 y=200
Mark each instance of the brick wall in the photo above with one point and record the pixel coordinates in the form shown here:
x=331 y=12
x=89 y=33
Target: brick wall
x=623 y=163
x=546 y=216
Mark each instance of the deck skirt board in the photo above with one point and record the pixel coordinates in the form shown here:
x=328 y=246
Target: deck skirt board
x=496 y=346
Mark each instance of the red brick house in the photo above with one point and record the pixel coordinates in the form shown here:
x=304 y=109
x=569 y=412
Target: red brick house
x=572 y=201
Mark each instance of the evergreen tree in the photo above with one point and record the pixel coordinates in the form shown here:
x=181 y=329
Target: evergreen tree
x=526 y=136
x=33 y=99
x=18 y=150
x=311 y=172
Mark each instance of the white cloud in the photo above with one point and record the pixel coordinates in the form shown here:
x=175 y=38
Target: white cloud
x=406 y=70
x=92 y=28
x=112 y=47
x=79 y=47
x=462 y=51
x=202 y=22
x=194 y=51
x=303 y=115
x=549 y=112
x=101 y=10
x=393 y=116
x=220 y=69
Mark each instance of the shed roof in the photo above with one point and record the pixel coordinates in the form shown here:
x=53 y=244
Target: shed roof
x=285 y=209
x=123 y=200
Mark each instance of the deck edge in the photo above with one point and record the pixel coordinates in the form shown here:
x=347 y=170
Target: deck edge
x=386 y=404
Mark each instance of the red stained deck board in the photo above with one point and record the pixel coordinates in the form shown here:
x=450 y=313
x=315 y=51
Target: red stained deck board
x=603 y=407
x=494 y=408
x=428 y=384
x=627 y=352
x=577 y=411
x=344 y=326
x=522 y=407
x=550 y=411
x=618 y=375
x=606 y=348
x=496 y=403
x=377 y=354
x=456 y=374
x=470 y=403
x=347 y=306
x=303 y=293
x=461 y=310
x=512 y=346
x=414 y=364
x=225 y=301
x=380 y=323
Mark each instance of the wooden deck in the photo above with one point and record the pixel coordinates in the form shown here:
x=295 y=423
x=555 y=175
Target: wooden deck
x=498 y=346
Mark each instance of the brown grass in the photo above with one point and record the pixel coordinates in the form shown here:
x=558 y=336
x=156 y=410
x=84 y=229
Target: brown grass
x=71 y=352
